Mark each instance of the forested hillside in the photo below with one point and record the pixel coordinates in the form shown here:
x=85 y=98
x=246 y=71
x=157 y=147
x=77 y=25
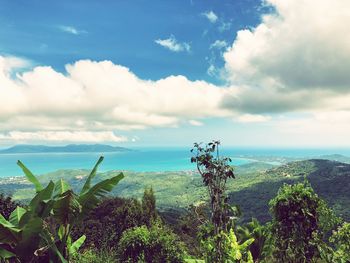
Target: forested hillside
x=254 y=186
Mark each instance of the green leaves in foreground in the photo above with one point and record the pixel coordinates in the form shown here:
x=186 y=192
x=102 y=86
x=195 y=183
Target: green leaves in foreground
x=31 y=178
x=44 y=227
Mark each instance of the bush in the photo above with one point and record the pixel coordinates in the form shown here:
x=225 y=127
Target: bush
x=105 y=225
x=341 y=241
x=7 y=205
x=95 y=256
x=296 y=226
x=154 y=244
x=261 y=247
x=43 y=229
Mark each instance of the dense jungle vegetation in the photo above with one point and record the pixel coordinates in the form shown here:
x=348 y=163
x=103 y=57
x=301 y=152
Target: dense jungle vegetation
x=297 y=212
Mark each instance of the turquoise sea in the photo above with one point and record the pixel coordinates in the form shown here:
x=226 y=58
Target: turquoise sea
x=147 y=159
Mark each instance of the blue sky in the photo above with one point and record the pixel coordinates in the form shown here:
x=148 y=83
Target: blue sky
x=59 y=32
x=251 y=73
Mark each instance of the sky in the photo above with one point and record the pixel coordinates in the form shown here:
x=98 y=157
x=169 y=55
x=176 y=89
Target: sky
x=251 y=73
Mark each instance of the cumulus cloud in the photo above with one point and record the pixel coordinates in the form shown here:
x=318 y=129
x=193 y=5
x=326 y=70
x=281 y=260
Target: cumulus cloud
x=224 y=26
x=98 y=97
x=219 y=44
x=172 y=44
x=212 y=70
x=296 y=59
x=249 y=118
x=211 y=16
x=195 y=123
x=71 y=30
x=329 y=127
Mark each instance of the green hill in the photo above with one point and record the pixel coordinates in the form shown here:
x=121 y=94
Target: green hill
x=330 y=179
x=254 y=186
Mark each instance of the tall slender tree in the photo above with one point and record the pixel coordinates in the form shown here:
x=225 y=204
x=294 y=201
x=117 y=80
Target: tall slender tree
x=215 y=171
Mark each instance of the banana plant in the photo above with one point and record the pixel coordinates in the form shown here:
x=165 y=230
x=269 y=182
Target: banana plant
x=44 y=227
x=238 y=252
x=261 y=247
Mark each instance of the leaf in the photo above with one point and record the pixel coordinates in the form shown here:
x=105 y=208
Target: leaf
x=66 y=207
x=30 y=239
x=61 y=187
x=40 y=204
x=87 y=184
x=8 y=232
x=16 y=215
x=191 y=260
x=51 y=244
x=5 y=254
x=30 y=176
x=73 y=249
x=90 y=199
x=246 y=244
x=6 y=223
x=32 y=228
x=61 y=231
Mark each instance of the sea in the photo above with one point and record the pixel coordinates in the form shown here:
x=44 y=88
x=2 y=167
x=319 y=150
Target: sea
x=143 y=159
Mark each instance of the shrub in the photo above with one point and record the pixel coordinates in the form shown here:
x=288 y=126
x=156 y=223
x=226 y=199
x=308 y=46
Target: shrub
x=106 y=223
x=95 y=256
x=7 y=205
x=154 y=244
x=296 y=225
x=149 y=207
x=261 y=247
x=341 y=241
x=44 y=227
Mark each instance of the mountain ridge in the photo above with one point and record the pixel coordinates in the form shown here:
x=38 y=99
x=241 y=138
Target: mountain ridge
x=70 y=148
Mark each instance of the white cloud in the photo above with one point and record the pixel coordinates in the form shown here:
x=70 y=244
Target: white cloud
x=329 y=128
x=211 y=16
x=71 y=30
x=61 y=136
x=195 y=123
x=172 y=44
x=249 y=118
x=98 y=97
x=219 y=44
x=212 y=70
x=224 y=26
x=296 y=59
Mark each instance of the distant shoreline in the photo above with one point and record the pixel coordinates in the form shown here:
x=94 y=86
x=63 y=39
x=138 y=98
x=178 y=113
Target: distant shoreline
x=71 y=148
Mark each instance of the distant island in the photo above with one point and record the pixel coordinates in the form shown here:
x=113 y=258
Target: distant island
x=71 y=148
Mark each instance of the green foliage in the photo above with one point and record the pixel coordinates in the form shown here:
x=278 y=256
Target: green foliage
x=261 y=247
x=134 y=244
x=255 y=184
x=341 y=242
x=95 y=256
x=105 y=224
x=154 y=244
x=296 y=223
x=7 y=205
x=190 y=224
x=44 y=227
x=31 y=178
x=215 y=172
x=233 y=251
x=149 y=206
x=237 y=252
